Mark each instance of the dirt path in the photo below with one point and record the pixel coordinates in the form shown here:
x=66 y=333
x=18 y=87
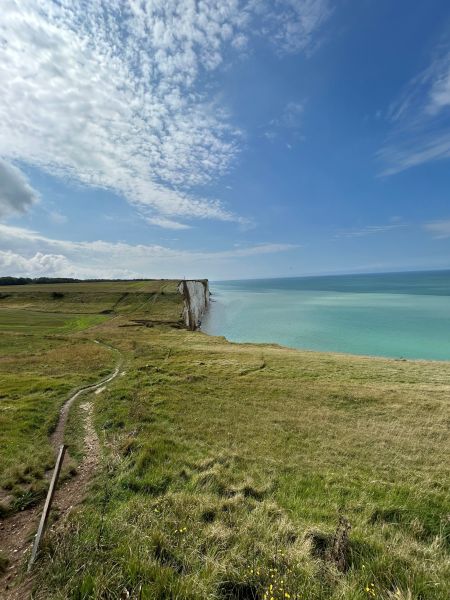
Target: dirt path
x=57 y=437
x=16 y=532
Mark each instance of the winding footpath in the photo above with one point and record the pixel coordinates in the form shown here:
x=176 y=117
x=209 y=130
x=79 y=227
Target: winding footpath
x=16 y=532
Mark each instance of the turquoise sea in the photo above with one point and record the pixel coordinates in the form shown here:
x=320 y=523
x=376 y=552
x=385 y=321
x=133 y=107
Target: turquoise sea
x=395 y=314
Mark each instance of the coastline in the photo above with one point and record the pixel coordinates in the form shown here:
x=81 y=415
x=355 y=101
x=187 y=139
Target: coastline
x=330 y=353
x=382 y=323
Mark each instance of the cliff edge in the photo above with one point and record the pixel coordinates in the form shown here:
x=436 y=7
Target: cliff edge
x=195 y=294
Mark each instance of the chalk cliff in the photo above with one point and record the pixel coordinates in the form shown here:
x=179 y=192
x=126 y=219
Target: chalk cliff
x=196 y=300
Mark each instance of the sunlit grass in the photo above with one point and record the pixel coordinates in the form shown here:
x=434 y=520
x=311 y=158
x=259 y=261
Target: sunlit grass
x=220 y=472
x=227 y=467
x=41 y=361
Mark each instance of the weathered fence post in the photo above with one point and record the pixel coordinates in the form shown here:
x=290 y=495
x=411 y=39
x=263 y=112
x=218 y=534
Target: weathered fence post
x=47 y=506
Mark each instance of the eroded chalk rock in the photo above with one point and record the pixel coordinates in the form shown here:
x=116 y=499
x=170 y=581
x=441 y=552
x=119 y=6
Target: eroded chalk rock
x=195 y=293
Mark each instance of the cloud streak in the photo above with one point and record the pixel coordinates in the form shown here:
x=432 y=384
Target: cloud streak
x=439 y=229
x=23 y=251
x=420 y=119
x=368 y=230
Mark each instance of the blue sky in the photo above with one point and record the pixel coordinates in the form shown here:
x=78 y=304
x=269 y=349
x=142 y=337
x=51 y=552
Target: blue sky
x=224 y=139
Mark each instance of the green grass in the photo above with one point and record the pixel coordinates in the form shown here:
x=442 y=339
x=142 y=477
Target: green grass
x=39 y=366
x=47 y=351
x=226 y=468
x=42 y=323
x=95 y=298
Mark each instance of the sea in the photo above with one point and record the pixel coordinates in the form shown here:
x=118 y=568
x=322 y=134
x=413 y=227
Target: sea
x=399 y=315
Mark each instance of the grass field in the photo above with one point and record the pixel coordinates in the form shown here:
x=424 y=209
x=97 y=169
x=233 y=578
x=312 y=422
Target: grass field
x=47 y=350
x=41 y=361
x=42 y=323
x=227 y=467
x=95 y=298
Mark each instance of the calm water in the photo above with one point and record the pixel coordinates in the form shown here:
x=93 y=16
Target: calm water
x=396 y=314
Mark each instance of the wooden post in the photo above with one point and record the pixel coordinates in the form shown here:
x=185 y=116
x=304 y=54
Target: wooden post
x=47 y=506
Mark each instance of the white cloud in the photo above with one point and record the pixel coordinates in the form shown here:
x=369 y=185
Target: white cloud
x=28 y=252
x=57 y=217
x=16 y=195
x=110 y=100
x=113 y=93
x=439 y=229
x=420 y=120
x=290 y=119
x=439 y=95
x=292 y=25
x=35 y=266
x=413 y=150
x=167 y=223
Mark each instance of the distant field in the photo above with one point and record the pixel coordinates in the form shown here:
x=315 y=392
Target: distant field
x=34 y=323
x=148 y=286
x=226 y=467
x=95 y=298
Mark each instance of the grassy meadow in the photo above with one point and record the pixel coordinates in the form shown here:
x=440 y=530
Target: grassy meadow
x=41 y=361
x=47 y=351
x=226 y=467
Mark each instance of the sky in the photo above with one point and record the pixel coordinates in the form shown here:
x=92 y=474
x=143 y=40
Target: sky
x=223 y=139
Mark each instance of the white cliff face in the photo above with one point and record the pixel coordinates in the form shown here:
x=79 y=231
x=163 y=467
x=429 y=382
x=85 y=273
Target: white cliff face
x=196 y=300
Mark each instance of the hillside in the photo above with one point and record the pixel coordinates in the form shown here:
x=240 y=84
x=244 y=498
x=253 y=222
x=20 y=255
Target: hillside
x=225 y=469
